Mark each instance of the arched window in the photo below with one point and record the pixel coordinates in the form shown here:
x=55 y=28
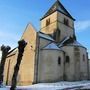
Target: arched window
x=59 y=60
x=67 y=59
x=83 y=57
x=76 y=49
x=66 y=21
x=47 y=22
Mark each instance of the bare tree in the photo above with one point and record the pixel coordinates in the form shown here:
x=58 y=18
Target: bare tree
x=21 y=46
x=4 y=50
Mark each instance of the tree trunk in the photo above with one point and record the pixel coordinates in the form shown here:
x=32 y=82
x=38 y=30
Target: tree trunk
x=4 y=50
x=21 y=46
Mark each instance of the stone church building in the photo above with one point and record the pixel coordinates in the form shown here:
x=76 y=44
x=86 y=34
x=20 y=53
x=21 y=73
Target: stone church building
x=52 y=54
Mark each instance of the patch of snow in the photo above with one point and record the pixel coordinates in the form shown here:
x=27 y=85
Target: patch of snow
x=55 y=86
x=86 y=87
x=4 y=89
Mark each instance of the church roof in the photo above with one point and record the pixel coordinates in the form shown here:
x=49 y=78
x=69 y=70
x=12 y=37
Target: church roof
x=68 y=41
x=63 y=41
x=51 y=46
x=57 y=6
x=13 y=50
x=45 y=36
x=75 y=43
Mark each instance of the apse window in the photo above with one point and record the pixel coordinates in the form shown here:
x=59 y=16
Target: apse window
x=83 y=57
x=47 y=22
x=76 y=49
x=66 y=21
x=67 y=59
x=59 y=60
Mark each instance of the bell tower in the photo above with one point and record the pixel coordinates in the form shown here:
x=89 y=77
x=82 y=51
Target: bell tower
x=57 y=22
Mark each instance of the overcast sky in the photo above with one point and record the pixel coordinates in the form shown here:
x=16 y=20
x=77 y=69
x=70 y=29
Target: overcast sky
x=16 y=14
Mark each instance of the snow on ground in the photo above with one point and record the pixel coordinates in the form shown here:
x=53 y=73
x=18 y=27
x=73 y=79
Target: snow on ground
x=81 y=85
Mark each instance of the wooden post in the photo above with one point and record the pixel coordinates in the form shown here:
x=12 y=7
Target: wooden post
x=21 y=46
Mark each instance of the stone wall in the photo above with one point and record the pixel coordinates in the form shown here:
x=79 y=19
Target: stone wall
x=53 y=24
x=48 y=68
x=66 y=30
x=26 y=71
x=76 y=68
x=9 y=67
x=89 y=69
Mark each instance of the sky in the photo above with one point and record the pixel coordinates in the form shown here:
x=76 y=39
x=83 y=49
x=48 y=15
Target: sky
x=16 y=14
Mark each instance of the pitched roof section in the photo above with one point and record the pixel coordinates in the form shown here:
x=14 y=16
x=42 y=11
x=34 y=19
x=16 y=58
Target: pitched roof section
x=13 y=50
x=68 y=41
x=29 y=28
x=75 y=43
x=63 y=41
x=45 y=36
x=57 y=6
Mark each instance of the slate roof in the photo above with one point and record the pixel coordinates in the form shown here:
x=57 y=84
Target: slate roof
x=68 y=41
x=51 y=46
x=63 y=41
x=75 y=43
x=45 y=36
x=57 y=6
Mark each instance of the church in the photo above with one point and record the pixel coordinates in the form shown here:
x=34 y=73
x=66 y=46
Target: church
x=52 y=54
